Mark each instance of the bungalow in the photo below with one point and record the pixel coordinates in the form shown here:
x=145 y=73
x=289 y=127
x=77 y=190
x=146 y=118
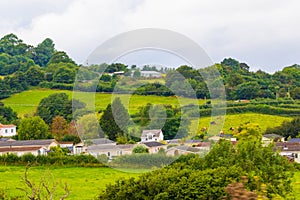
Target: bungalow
x=47 y=144
x=19 y=151
x=289 y=149
x=8 y=130
x=152 y=135
x=20 y=147
x=110 y=150
x=182 y=150
x=154 y=147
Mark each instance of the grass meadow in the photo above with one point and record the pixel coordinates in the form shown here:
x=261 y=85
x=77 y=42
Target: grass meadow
x=26 y=102
x=84 y=183
x=263 y=120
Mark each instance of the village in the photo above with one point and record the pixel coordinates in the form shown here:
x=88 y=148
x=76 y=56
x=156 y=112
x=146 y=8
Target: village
x=153 y=140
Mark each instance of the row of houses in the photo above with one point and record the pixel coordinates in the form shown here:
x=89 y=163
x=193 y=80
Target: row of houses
x=150 y=139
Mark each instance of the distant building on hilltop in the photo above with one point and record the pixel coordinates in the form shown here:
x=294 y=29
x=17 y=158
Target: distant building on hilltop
x=149 y=74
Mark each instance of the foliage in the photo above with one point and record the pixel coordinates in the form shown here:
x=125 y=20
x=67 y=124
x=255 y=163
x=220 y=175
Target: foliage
x=59 y=127
x=115 y=120
x=7 y=115
x=287 y=128
x=140 y=149
x=222 y=166
x=88 y=127
x=57 y=105
x=33 y=128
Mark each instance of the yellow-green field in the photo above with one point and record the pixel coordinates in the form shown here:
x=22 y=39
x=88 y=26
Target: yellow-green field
x=84 y=183
x=26 y=102
x=263 y=120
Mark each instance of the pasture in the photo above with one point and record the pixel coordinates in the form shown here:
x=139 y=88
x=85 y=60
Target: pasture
x=263 y=120
x=84 y=183
x=26 y=102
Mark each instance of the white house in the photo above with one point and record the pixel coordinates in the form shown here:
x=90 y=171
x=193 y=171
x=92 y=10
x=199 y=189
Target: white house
x=149 y=74
x=152 y=135
x=8 y=130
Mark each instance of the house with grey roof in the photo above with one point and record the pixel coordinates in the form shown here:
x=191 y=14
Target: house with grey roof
x=110 y=150
x=289 y=149
x=154 y=147
x=20 y=147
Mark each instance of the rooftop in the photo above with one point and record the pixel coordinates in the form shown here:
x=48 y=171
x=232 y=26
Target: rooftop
x=153 y=144
x=26 y=143
x=155 y=132
x=187 y=148
x=7 y=125
x=19 y=149
x=295 y=140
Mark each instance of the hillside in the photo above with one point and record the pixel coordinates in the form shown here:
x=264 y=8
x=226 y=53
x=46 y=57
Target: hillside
x=26 y=102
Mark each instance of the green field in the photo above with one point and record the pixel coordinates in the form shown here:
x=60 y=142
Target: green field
x=84 y=183
x=263 y=120
x=296 y=185
x=26 y=102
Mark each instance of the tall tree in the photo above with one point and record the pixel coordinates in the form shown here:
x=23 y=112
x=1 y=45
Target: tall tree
x=114 y=120
x=43 y=52
x=59 y=127
x=60 y=57
x=33 y=128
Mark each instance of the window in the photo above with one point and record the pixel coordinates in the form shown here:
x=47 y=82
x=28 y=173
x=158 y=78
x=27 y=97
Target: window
x=108 y=154
x=296 y=155
x=11 y=130
x=6 y=131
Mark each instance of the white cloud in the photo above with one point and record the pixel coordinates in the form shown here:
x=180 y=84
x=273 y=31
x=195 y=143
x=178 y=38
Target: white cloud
x=264 y=34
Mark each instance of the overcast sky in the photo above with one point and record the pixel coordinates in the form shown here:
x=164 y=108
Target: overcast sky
x=263 y=33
